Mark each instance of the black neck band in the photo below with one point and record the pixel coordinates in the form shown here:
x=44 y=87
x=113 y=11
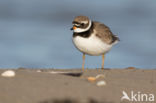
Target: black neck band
x=85 y=34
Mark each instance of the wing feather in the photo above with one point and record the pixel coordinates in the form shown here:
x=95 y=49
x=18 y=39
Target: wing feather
x=105 y=33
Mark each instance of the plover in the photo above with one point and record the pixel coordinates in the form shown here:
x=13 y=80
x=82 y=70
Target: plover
x=92 y=37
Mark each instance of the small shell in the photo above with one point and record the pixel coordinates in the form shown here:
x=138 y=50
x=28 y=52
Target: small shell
x=91 y=79
x=8 y=73
x=101 y=83
x=39 y=71
x=100 y=76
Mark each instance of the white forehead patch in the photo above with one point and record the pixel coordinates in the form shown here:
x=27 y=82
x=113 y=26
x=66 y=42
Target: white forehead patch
x=85 y=22
x=80 y=30
x=76 y=24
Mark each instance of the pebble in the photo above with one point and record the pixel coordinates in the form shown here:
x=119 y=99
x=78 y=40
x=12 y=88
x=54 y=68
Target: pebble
x=100 y=76
x=131 y=68
x=91 y=79
x=101 y=83
x=8 y=73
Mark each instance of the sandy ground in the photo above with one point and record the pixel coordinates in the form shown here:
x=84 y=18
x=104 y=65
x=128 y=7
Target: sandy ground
x=41 y=86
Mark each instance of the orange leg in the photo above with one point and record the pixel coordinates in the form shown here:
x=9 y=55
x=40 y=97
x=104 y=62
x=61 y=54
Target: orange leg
x=83 y=61
x=103 y=57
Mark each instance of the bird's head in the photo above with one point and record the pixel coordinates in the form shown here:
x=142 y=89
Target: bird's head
x=81 y=24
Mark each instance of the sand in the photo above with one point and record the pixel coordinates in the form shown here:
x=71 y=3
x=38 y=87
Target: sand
x=41 y=86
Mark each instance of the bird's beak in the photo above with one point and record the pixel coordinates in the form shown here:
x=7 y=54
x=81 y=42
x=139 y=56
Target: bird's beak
x=73 y=28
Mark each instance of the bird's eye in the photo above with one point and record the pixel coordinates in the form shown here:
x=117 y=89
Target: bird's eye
x=82 y=24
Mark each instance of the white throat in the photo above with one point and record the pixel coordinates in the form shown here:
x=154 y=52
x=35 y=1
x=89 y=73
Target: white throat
x=79 y=30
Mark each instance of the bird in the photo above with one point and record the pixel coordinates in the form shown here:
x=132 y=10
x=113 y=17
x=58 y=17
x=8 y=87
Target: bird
x=92 y=38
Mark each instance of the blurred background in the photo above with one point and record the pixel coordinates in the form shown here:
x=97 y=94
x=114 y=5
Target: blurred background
x=36 y=33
